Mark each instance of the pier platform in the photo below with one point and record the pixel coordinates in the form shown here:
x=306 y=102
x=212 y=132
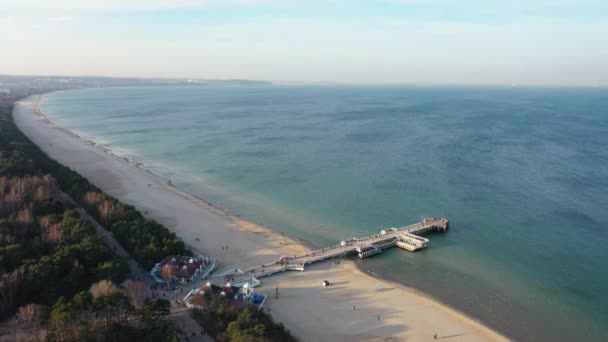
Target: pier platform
x=407 y=238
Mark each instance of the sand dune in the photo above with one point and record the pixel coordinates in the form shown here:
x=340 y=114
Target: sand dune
x=383 y=310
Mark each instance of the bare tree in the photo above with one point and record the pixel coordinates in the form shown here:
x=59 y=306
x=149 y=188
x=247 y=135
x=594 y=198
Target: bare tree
x=53 y=234
x=25 y=216
x=137 y=291
x=9 y=285
x=107 y=211
x=103 y=287
x=93 y=198
x=29 y=316
x=29 y=313
x=15 y=192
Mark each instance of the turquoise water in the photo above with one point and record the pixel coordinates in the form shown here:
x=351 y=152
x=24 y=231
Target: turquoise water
x=522 y=174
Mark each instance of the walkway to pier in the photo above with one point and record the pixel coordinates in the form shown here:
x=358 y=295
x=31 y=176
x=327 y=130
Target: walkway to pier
x=405 y=237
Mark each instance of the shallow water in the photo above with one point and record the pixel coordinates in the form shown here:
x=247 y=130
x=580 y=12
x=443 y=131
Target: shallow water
x=522 y=174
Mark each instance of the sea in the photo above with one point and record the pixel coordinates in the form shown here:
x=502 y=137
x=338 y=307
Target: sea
x=520 y=172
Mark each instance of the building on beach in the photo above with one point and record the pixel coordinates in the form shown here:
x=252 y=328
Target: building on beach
x=182 y=269
x=241 y=296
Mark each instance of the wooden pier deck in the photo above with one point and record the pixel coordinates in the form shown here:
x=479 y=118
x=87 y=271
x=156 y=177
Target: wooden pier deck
x=407 y=238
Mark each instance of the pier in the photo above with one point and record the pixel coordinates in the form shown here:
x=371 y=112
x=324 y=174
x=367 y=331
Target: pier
x=408 y=238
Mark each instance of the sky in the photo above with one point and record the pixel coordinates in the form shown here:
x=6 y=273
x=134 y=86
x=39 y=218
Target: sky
x=515 y=42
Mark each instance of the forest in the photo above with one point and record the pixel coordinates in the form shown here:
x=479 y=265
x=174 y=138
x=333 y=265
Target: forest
x=228 y=323
x=56 y=275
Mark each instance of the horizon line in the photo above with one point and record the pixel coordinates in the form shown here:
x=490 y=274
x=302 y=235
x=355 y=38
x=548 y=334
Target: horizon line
x=337 y=83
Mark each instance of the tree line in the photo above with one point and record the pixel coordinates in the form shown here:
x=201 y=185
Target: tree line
x=53 y=266
x=226 y=322
x=146 y=240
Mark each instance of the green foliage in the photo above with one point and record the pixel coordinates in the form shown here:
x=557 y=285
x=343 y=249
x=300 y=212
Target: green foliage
x=11 y=256
x=49 y=254
x=113 y=270
x=60 y=316
x=227 y=323
x=117 y=332
x=153 y=309
x=46 y=250
x=13 y=164
x=108 y=317
x=51 y=271
x=71 y=267
x=147 y=241
x=77 y=258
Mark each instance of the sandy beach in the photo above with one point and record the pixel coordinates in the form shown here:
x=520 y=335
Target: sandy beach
x=356 y=307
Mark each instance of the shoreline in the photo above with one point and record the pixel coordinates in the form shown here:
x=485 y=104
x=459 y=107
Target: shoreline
x=44 y=132
x=141 y=166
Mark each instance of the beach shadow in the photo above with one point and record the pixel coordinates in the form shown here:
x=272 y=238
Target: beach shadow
x=368 y=321
x=386 y=289
x=333 y=288
x=449 y=336
x=339 y=283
